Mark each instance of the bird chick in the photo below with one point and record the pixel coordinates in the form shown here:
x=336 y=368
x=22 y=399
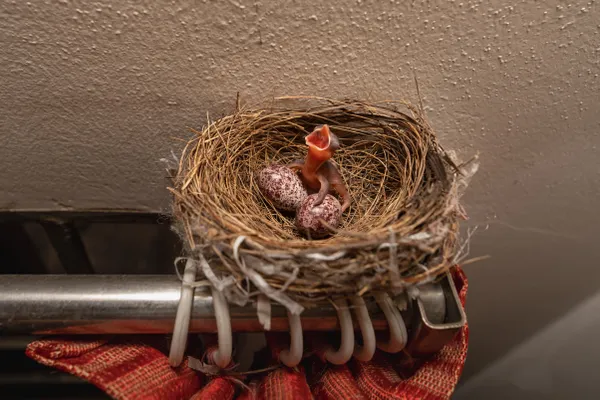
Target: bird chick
x=317 y=171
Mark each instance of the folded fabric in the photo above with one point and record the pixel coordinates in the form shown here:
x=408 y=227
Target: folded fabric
x=137 y=367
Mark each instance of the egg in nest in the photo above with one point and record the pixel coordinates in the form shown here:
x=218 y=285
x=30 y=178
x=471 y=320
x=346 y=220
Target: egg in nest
x=282 y=186
x=308 y=217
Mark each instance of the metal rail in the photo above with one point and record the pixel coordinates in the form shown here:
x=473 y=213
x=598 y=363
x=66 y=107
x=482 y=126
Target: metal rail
x=125 y=304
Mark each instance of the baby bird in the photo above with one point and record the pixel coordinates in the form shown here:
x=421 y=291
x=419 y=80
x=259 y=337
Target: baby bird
x=317 y=171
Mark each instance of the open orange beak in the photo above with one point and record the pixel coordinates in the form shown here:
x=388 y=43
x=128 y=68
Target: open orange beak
x=322 y=143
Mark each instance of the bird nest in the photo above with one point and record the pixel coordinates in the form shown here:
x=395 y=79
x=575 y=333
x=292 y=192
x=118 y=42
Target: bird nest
x=401 y=229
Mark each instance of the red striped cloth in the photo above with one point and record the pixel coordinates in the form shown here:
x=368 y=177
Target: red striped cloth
x=129 y=368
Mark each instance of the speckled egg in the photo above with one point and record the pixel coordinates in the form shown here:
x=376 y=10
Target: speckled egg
x=282 y=186
x=307 y=217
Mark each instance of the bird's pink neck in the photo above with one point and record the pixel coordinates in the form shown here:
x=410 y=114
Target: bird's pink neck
x=311 y=166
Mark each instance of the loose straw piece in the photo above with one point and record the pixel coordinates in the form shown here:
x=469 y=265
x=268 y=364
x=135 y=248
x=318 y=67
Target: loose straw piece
x=263 y=311
x=262 y=285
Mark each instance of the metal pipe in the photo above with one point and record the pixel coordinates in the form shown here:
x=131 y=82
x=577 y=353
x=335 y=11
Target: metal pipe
x=127 y=304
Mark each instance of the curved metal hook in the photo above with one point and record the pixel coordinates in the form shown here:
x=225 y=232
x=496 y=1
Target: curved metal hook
x=366 y=351
x=343 y=354
x=182 y=318
x=222 y=356
x=398 y=334
x=293 y=356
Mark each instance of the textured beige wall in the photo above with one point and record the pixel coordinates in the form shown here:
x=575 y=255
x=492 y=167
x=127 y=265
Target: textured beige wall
x=559 y=362
x=94 y=93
